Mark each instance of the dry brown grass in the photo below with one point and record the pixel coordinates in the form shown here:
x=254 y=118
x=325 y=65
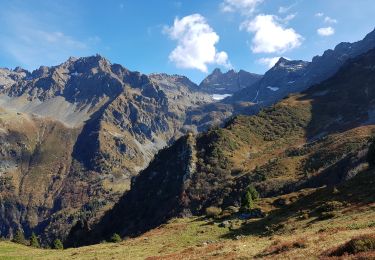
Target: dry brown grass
x=360 y=245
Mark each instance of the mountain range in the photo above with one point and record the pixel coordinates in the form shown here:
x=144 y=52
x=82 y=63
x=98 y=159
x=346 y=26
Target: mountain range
x=112 y=150
x=295 y=76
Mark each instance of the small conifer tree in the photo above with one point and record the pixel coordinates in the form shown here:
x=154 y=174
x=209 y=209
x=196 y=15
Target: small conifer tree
x=115 y=238
x=19 y=237
x=34 y=242
x=57 y=244
x=254 y=193
x=250 y=196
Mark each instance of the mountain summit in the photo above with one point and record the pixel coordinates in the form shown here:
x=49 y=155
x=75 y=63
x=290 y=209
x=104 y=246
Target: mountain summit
x=228 y=82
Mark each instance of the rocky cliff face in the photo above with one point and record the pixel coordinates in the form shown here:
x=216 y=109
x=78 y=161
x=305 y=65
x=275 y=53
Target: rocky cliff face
x=316 y=138
x=10 y=77
x=228 y=82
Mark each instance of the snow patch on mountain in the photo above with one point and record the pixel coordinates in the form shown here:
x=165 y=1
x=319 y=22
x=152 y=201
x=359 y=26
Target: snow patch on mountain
x=219 y=97
x=273 y=88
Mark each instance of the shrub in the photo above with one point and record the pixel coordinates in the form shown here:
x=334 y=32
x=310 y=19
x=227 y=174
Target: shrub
x=303 y=215
x=254 y=193
x=213 y=211
x=57 y=244
x=330 y=206
x=280 y=247
x=34 y=242
x=115 y=238
x=326 y=215
x=356 y=245
x=19 y=237
x=250 y=196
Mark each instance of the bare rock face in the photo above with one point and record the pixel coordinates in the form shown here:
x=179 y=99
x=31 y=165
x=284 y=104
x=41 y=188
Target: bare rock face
x=228 y=82
x=10 y=77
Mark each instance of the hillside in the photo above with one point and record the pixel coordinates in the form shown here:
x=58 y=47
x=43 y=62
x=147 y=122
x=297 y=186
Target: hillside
x=309 y=140
x=291 y=230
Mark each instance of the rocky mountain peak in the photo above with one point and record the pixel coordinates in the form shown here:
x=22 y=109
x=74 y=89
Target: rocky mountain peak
x=42 y=71
x=216 y=71
x=173 y=81
x=282 y=60
x=9 y=77
x=227 y=83
x=21 y=70
x=90 y=64
x=283 y=63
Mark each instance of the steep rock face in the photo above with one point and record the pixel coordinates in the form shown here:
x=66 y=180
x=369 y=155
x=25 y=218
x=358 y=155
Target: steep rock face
x=162 y=193
x=228 y=82
x=295 y=76
x=10 y=77
x=326 y=65
x=276 y=83
x=319 y=137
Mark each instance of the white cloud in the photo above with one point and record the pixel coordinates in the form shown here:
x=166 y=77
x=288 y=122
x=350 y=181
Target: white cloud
x=196 y=44
x=288 y=18
x=326 y=31
x=270 y=36
x=269 y=62
x=245 y=7
x=328 y=19
x=285 y=9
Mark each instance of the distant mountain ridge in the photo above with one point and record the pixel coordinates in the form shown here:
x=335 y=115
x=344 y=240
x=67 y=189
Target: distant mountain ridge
x=295 y=76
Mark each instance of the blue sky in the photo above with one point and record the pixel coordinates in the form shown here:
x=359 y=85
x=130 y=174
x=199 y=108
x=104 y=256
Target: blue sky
x=188 y=37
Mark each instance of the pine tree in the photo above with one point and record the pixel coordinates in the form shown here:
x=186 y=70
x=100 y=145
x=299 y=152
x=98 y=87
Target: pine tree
x=250 y=196
x=57 y=244
x=254 y=193
x=19 y=237
x=249 y=202
x=34 y=242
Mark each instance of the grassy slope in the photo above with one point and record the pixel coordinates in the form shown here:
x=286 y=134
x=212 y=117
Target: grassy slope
x=193 y=238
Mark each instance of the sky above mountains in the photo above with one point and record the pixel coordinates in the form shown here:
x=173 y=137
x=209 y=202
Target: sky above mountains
x=189 y=37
